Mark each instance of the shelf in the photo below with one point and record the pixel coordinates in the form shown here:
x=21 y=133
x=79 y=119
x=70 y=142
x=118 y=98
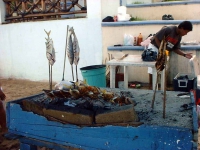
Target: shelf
x=147 y=22
x=163 y=4
x=141 y=48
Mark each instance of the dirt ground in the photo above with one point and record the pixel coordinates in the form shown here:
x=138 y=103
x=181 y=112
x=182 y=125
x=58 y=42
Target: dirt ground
x=16 y=89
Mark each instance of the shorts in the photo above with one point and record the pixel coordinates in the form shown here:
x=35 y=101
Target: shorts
x=151 y=46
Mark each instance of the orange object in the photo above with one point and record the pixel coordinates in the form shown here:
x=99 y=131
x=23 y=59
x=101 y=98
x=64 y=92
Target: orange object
x=139 y=40
x=196 y=99
x=167 y=52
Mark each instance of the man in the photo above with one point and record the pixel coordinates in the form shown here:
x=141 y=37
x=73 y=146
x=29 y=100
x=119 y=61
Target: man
x=173 y=36
x=2 y=111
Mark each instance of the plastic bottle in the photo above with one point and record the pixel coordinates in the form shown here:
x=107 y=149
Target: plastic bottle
x=139 y=40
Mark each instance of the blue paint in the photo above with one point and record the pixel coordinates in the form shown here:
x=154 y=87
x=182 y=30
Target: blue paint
x=141 y=48
x=143 y=137
x=148 y=22
x=123 y=48
x=194 y=113
x=29 y=141
x=24 y=146
x=163 y=4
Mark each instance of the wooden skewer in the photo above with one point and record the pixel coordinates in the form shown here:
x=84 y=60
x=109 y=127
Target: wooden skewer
x=72 y=72
x=165 y=83
x=76 y=74
x=159 y=56
x=163 y=54
x=51 y=78
x=154 y=94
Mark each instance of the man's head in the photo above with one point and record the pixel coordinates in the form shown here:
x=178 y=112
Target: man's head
x=184 y=27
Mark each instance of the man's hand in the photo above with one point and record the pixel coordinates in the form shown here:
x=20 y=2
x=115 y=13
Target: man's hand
x=2 y=95
x=188 y=55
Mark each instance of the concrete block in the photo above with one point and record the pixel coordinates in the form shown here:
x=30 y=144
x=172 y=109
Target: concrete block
x=118 y=115
x=71 y=115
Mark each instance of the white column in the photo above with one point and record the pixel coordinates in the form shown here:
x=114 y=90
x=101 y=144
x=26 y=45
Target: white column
x=2 y=11
x=125 y=77
x=154 y=78
x=112 y=76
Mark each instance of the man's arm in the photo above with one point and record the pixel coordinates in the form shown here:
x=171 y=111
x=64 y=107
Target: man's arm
x=2 y=95
x=157 y=42
x=179 y=52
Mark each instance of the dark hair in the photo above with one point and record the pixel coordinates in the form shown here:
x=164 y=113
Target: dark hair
x=186 y=25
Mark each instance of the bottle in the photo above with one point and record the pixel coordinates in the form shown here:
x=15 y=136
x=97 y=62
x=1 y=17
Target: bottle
x=139 y=40
x=135 y=41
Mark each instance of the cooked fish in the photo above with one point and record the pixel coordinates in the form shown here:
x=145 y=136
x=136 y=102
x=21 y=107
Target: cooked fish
x=50 y=51
x=49 y=94
x=50 y=54
x=76 y=49
x=70 y=52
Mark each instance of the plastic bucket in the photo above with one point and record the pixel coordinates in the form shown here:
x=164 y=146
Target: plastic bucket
x=94 y=75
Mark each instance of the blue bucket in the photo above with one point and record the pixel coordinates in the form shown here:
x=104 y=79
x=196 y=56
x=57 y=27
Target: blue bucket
x=94 y=75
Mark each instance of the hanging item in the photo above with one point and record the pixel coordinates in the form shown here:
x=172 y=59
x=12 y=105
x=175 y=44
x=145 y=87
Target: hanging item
x=70 y=52
x=73 y=51
x=76 y=51
x=50 y=54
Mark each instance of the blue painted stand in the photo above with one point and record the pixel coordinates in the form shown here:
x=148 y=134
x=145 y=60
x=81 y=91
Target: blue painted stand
x=36 y=130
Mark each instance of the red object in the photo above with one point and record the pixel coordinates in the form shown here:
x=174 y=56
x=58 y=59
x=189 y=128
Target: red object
x=132 y=85
x=2 y=117
x=197 y=100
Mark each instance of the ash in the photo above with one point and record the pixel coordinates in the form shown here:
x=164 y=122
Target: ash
x=174 y=114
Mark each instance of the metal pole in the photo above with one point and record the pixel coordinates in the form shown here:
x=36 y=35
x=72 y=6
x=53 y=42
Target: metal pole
x=65 y=53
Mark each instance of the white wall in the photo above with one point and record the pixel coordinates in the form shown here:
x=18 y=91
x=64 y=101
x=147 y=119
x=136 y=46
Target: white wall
x=23 y=51
x=109 y=7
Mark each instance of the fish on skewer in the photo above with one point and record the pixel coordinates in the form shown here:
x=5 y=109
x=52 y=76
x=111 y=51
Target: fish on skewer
x=70 y=53
x=49 y=94
x=58 y=94
x=76 y=50
x=75 y=93
x=65 y=93
x=50 y=54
